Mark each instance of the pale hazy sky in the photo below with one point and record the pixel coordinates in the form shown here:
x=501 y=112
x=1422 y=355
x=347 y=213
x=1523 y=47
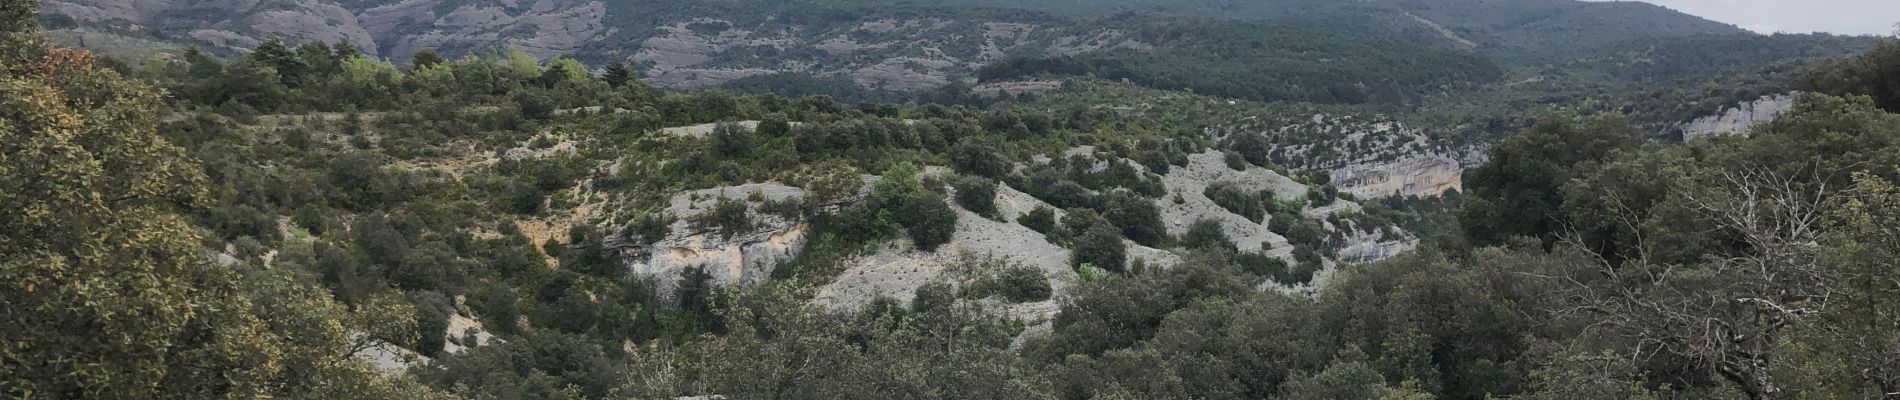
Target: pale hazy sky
x=1800 y=16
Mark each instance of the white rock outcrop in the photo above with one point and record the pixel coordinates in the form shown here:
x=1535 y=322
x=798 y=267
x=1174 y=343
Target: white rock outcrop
x=1736 y=120
x=1414 y=175
x=730 y=257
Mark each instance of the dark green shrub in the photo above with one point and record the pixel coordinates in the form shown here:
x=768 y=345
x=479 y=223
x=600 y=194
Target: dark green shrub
x=789 y=208
x=1206 y=234
x=648 y=228
x=977 y=194
x=935 y=295
x=617 y=74
x=1236 y=200
x=727 y=216
x=1263 y=265
x=534 y=104
x=731 y=173
x=1281 y=223
x=1020 y=284
x=695 y=295
x=431 y=331
x=524 y=199
x=1156 y=160
x=1094 y=241
x=1042 y=219
x=499 y=306
x=974 y=157
x=1305 y=232
x=1234 y=160
x=233 y=221
x=1068 y=194
x=774 y=125
x=1136 y=216
x=1322 y=196
x=928 y=218
x=733 y=140
x=1307 y=263
x=587 y=254
x=430 y=266
x=1251 y=147
x=810 y=141
x=311 y=217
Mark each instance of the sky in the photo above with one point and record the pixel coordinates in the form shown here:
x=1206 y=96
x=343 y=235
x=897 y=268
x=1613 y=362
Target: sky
x=1853 y=17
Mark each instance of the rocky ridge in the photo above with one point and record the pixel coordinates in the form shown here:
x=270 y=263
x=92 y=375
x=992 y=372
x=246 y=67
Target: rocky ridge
x=889 y=54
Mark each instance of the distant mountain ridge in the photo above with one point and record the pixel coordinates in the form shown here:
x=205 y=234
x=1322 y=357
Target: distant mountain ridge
x=906 y=45
x=1515 y=23
x=549 y=27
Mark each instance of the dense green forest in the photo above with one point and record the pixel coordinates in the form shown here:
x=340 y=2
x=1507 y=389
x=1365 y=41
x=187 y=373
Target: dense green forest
x=255 y=226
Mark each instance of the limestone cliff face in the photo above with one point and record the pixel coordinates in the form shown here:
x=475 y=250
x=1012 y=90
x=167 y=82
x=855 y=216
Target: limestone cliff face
x=1736 y=120
x=731 y=258
x=1421 y=174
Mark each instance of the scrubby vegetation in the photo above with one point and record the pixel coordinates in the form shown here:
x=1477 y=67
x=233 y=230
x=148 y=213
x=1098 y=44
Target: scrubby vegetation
x=286 y=213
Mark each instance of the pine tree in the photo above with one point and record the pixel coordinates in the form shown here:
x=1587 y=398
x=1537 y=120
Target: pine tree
x=345 y=49
x=273 y=53
x=618 y=74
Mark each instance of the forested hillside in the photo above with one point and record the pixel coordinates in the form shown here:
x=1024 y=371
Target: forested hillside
x=1124 y=199
x=1380 y=52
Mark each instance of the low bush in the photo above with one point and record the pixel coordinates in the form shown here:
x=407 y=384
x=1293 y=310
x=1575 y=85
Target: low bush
x=928 y=219
x=1206 y=234
x=727 y=216
x=1041 y=219
x=977 y=195
x=1020 y=284
x=1236 y=200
